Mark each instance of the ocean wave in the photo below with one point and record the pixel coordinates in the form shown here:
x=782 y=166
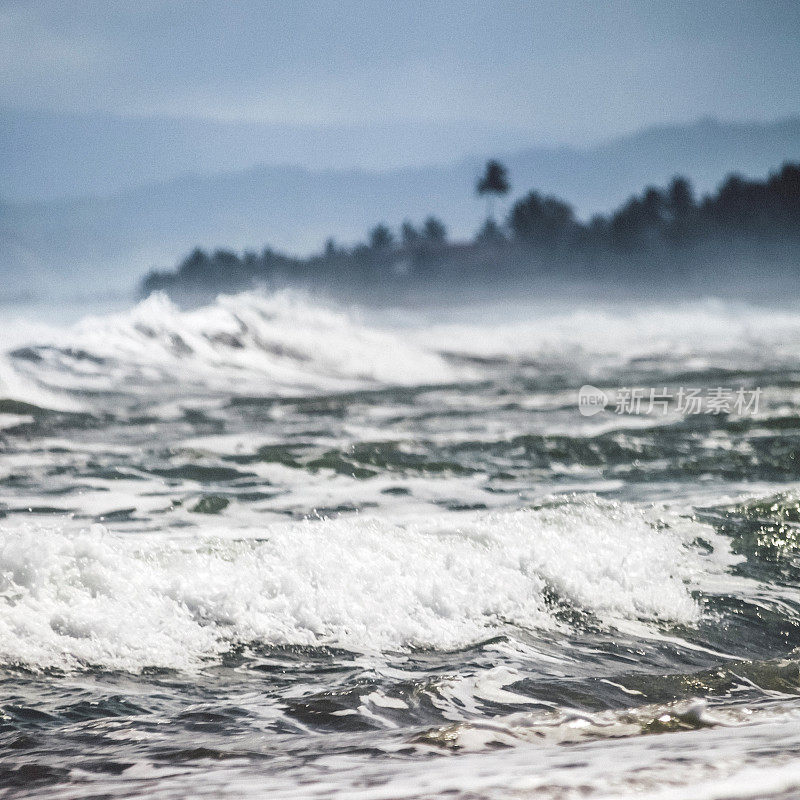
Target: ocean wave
x=250 y=342
x=288 y=343
x=91 y=598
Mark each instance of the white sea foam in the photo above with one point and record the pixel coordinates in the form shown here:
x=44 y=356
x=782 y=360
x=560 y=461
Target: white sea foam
x=92 y=597
x=251 y=342
x=286 y=342
x=695 y=335
x=17 y=387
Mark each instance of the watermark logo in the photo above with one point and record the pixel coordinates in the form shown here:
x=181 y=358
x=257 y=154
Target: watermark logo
x=591 y=400
x=646 y=401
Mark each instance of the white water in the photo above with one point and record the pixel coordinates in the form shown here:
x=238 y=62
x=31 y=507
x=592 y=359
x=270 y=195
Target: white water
x=94 y=598
x=287 y=343
x=447 y=593
x=693 y=335
x=250 y=342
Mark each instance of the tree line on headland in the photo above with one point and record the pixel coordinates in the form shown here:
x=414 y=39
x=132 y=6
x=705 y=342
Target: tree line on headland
x=540 y=236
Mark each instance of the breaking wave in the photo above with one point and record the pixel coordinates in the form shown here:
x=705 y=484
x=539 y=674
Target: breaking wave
x=91 y=598
x=286 y=343
x=251 y=342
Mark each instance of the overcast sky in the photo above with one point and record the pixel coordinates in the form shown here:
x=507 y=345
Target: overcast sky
x=559 y=72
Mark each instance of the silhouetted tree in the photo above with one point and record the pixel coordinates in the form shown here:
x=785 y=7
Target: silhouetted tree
x=595 y=235
x=543 y=221
x=361 y=252
x=493 y=183
x=680 y=198
x=681 y=227
x=756 y=208
x=250 y=263
x=225 y=262
x=734 y=206
x=380 y=238
x=434 y=230
x=410 y=235
x=757 y=211
x=640 y=222
x=627 y=225
x=785 y=188
x=653 y=207
x=196 y=265
x=490 y=233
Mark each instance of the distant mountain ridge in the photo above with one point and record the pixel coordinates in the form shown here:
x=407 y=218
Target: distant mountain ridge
x=112 y=241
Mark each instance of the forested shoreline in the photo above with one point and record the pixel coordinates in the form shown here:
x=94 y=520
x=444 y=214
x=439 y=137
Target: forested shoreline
x=705 y=239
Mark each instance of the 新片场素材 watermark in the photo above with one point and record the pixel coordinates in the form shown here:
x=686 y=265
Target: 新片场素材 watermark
x=684 y=400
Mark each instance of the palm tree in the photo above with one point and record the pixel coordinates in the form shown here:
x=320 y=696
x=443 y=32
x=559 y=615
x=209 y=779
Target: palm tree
x=493 y=183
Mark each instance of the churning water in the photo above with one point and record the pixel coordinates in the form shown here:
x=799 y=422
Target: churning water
x=263 y=548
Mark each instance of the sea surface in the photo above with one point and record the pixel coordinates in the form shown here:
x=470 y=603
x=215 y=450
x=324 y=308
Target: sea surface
x=277 y=548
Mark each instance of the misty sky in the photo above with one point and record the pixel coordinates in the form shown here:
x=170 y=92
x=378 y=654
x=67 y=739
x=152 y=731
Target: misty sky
x=518 y=72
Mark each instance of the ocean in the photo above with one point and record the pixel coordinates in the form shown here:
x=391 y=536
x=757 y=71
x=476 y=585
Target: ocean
x=275 y=547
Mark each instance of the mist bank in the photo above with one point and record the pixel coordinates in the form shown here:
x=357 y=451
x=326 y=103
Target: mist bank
x=741 y=241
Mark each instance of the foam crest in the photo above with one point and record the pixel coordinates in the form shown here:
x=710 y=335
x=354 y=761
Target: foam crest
x=94 y=598
x=248 y=342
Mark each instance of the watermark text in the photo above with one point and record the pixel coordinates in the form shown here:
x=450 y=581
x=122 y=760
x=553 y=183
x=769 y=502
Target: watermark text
x=648 y=401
